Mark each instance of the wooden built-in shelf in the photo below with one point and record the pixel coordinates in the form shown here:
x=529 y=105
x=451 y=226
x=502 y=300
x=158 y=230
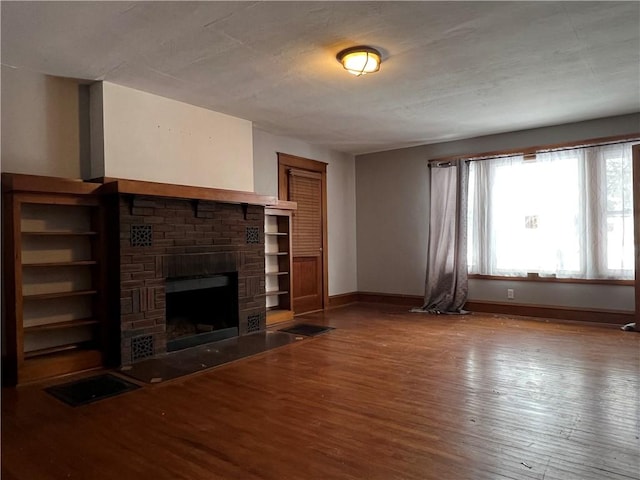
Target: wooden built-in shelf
x=54 y=231
x=278 y=266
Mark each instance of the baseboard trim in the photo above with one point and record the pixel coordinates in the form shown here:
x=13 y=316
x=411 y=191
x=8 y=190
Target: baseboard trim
x=391 y=298
x=342 y=299
x=615 y=317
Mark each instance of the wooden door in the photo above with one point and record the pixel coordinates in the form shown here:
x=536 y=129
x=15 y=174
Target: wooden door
x=304 y=181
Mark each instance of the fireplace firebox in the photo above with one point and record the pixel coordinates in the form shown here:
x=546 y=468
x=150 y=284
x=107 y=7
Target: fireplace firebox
x=201 y=310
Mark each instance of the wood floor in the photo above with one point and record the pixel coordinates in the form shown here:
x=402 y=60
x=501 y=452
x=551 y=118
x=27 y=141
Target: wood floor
x=387 y=395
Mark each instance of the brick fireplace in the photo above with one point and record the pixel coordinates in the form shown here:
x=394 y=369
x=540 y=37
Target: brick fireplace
x=168 y=241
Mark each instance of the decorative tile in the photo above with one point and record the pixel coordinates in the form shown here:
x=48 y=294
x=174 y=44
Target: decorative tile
x=141 y=235
x=141 y=347
x=253 y=323
x=253 y=235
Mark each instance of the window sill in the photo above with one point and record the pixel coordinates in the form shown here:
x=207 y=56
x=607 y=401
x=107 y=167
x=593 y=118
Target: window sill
x=535 y=278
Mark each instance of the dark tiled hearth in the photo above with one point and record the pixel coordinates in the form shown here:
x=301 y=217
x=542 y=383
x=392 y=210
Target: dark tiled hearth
x=176 y=364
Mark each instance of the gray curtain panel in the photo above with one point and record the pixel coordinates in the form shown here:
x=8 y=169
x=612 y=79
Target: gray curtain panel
x=446 y=281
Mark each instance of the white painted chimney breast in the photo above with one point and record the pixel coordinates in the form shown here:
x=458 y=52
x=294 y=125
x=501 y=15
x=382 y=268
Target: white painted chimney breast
x=152 y=138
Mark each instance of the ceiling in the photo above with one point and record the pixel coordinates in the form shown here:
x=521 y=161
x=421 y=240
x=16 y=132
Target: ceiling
x=450 y=70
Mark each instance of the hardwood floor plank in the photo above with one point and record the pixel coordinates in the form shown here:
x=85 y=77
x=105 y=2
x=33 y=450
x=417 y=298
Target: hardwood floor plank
x=387 y=395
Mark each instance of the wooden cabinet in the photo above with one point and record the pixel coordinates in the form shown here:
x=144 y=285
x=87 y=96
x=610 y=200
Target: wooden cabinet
x=55 y=289
x=278 y=262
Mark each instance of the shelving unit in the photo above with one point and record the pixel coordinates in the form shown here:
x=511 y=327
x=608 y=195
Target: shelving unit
x=278 y=262
x=55 y=288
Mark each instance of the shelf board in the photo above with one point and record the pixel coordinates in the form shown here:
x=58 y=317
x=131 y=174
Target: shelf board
x=59 y=363
x=281 y=205
x=57 y=349
x=274 y=254
x=278 y=315
x=57 y=233
x=278 y=234
x=44 y=296
x=77 y=263
x=276 y=292
x=276 y=273
x=18 y=182
x=60 y=325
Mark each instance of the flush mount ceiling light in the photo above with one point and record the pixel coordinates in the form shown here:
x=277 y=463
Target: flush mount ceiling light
x=360 y=60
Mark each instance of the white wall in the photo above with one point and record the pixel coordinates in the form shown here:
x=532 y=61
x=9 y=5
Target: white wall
x=392 y=199
x=152 y=138
x=40 y=124
x=45 y=132
x=341 y=199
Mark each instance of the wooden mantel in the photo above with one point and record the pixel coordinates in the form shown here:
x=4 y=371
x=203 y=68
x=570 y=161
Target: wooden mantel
x=16 y=182
x=139 y=187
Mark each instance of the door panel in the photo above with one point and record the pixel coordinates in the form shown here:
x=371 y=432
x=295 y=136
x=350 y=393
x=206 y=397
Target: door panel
x=307 y=276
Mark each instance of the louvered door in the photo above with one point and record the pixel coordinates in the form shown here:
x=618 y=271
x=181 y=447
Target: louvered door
x=303 y=181
x=305 y=188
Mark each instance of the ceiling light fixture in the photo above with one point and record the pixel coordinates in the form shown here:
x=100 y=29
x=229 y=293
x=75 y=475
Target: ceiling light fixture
x=360 y=60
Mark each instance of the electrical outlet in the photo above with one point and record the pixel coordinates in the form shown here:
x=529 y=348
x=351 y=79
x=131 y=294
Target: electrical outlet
x=510 y=293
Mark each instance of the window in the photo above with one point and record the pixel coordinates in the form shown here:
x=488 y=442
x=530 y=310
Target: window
x=565 y=213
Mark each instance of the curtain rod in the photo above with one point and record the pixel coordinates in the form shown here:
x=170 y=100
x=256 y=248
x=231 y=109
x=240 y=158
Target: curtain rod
x=547 y=150
x=524 y=151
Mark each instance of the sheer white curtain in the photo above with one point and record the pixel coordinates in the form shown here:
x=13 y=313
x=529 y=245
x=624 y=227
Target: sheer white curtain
x=565 y=214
